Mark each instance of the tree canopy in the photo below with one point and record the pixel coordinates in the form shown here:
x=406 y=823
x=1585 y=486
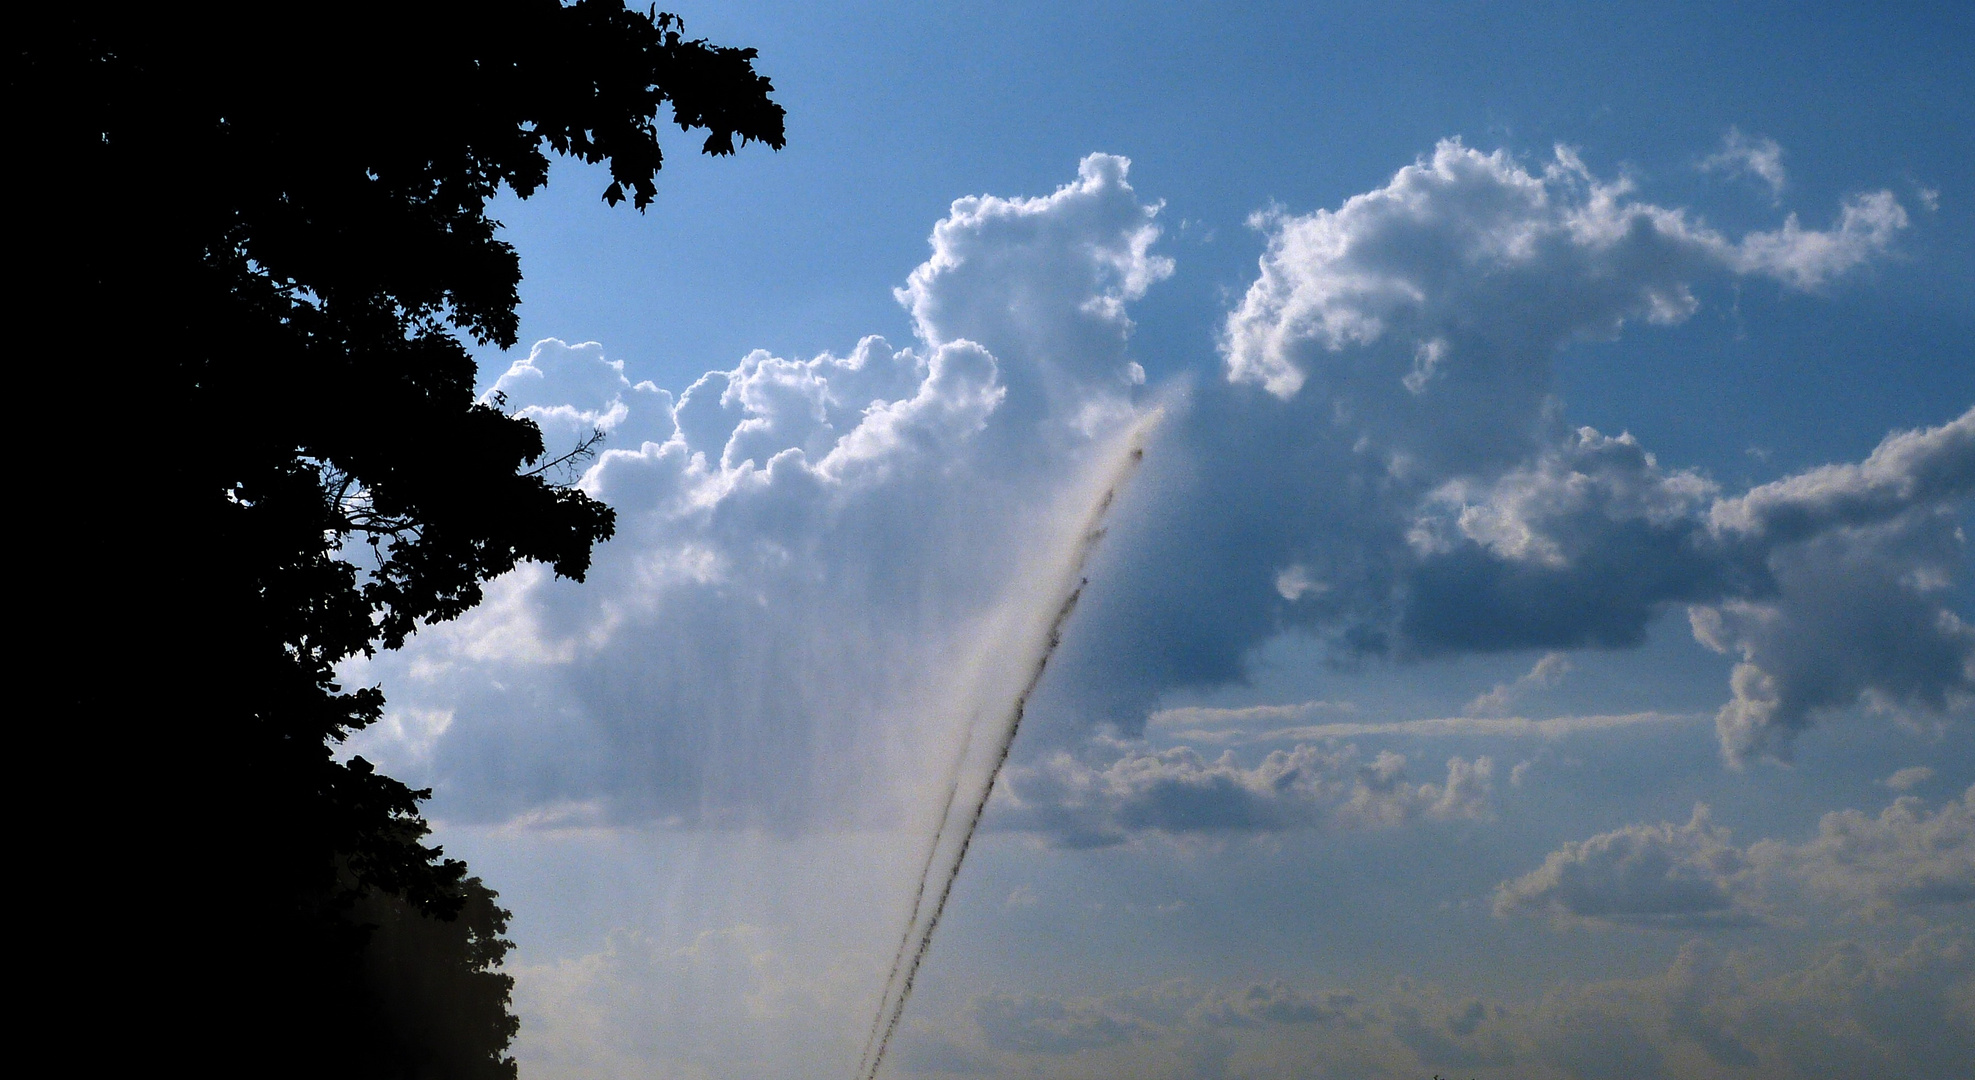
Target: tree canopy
x=255 y=236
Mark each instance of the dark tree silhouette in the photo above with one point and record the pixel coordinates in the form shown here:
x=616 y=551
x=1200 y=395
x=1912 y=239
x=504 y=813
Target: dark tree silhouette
x=246 y=241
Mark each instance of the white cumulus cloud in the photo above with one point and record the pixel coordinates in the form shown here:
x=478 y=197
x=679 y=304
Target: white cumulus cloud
x=808 y=549
x=1469 y=252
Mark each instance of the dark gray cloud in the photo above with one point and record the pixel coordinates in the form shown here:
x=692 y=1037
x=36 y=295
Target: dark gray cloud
x=1833 y=585
x=1583 y=546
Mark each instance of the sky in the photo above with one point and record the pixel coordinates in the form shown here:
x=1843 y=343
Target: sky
x=1537 y=641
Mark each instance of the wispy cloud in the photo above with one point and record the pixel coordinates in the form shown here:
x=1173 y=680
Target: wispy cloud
x=1742 y=155
x=1233 y=726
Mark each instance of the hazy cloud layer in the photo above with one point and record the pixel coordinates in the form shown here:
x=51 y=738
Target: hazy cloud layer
x=728 y=1000
x=1902 y=1014
x=755 y=997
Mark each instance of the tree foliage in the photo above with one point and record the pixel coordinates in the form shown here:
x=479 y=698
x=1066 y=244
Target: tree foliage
x=254 y=237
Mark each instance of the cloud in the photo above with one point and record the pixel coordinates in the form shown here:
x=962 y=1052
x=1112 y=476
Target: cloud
x=416 y=731
x=1811 y=258
x=573 y=390
x=811 y=552
x=1386 y=469
x=1907 y=861
x=1833 y=585
x=1582 y=546
x=1465 y=249
x=1550 y=670
x=739 y=998
x=1909 y=778
x=1863 y=560
x=810 y=549
x=1901 y=1013
x=1225 y=725
x=1908 y=469
x=999 y=274
x=1646 y=875
x=1741 y=155
x=1178 y=792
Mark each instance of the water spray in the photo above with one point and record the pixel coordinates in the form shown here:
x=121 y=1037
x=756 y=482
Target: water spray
x=917 y=938
x=898 y=960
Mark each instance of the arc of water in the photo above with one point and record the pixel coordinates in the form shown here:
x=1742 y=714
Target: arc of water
x=904 y=973
x=865 y=1065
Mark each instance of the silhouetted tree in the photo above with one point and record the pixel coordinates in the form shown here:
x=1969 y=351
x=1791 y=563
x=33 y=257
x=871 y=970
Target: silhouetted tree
x=246 y=240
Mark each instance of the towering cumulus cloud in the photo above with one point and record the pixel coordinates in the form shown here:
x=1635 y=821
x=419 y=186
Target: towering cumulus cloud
x=806 y=547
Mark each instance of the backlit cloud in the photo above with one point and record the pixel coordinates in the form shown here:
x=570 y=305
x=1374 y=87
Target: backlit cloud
x=807 y=549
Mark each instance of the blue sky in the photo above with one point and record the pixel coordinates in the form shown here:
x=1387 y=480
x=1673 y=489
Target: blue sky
x=1534 y=644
